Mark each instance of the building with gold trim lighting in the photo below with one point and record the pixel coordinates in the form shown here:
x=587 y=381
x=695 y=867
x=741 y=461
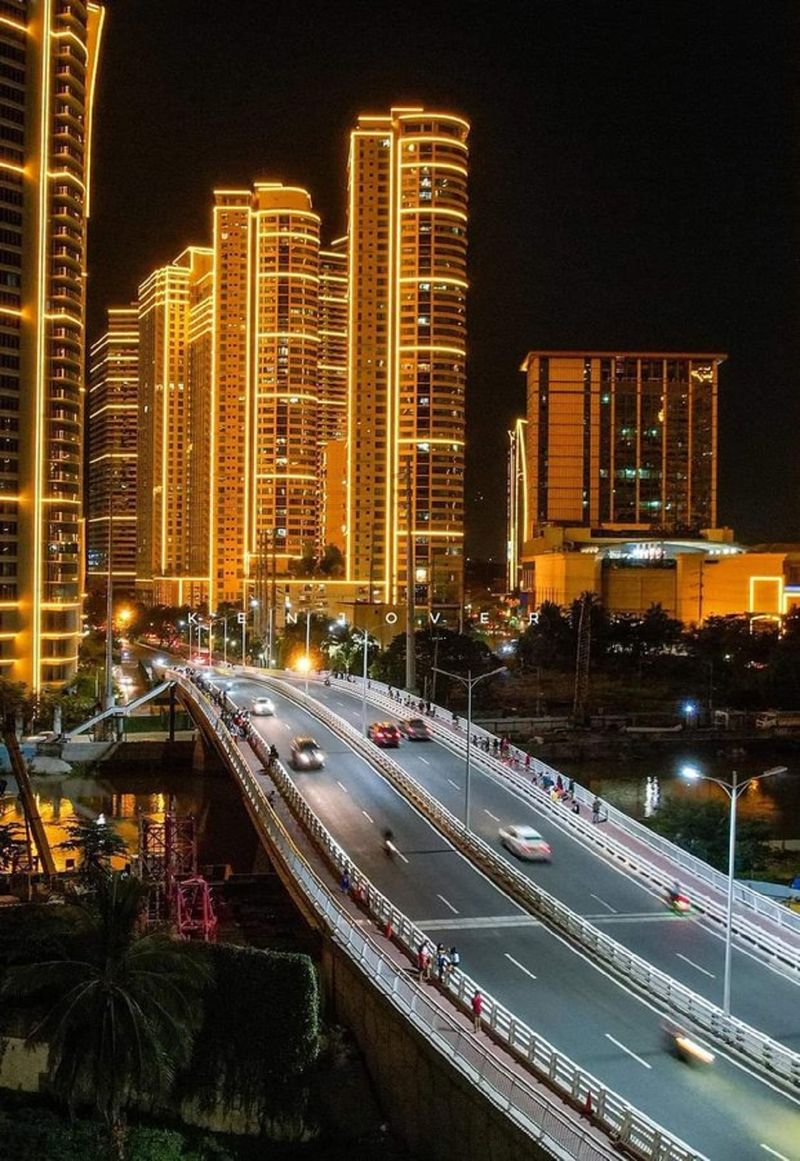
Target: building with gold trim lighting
x=113 y=421
x=407 y=232
x=48 y=63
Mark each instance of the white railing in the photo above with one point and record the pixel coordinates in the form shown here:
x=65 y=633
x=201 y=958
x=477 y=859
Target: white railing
x=773 y=1057
x=530 y=1108
x=682 y=862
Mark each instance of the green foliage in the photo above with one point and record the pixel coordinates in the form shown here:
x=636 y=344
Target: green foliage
x=36 y=1132
x=121 y=1008
x=260 y=1028
x=12 y=845
x=96 y=841
x=457 y=652
x=702 y=828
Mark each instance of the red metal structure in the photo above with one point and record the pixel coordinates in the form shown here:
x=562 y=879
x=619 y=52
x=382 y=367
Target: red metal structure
x=168 y=864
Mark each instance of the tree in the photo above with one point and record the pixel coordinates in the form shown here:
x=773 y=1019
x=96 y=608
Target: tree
x=331 y=563
x=12 y=845
x=122 y=1008
x=702 y=828
x=548 y=642
x=458 y=652
x=96 y=840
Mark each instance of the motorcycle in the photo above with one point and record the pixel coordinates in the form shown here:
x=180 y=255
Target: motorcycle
x=679 y=902
x=327 y=683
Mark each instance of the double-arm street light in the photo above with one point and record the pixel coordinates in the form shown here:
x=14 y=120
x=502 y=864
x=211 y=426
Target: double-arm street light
x=733 y=789
x=469 y=681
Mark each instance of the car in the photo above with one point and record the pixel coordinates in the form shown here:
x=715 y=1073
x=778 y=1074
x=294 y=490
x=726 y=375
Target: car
x=306 y=755
x=525 y=842
x=384 y=734
x=263 y=707
x=416 y=730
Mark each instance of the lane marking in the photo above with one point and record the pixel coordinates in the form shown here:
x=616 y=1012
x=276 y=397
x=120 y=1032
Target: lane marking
x=369 y=816
x=452 y=783
x=447 y=904
x=425 y=760
x=494 y=816
x=773 y=1152
x=477 y=924
x=624 y=1049
x=403 y=857
x=521 y=966
x=613 y=910
x=344 y=788
x=691 y=962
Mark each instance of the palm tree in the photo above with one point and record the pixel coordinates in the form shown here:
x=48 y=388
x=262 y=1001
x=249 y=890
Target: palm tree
x=122 y=1007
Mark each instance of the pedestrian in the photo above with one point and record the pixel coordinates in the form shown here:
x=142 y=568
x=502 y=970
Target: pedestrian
x=571 y=787
x=442 y=965
x=560 y=784
x=596 y=810
x=424 y=960
x=576 y=806
x=455 y=959
x=527 y=763
x=344 y=882
x=495 y=744
x=477 y=1009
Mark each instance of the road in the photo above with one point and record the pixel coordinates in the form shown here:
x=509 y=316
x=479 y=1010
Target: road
x=724 y=1111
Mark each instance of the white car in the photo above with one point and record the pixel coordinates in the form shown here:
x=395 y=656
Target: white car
x=525 y=842
x=263 y=707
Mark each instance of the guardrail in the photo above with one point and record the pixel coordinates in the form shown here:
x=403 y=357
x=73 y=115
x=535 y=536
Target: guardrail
x=543 y=1120
x=771 y=1056
x=686 y=863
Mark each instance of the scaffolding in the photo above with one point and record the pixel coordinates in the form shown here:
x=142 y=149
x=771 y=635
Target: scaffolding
x=167 y=863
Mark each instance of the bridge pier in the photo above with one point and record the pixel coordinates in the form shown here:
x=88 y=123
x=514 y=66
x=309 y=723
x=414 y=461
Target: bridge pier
x=205 y=757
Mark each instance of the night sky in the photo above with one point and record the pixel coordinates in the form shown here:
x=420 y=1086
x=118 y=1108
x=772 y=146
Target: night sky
x=633 y=183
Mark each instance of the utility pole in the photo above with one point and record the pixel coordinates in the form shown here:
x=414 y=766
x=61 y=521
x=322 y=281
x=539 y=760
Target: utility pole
x=411 y=659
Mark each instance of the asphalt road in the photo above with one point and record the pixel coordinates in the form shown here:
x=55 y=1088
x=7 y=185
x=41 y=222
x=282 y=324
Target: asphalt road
x=724 y=1111
x=683 y=946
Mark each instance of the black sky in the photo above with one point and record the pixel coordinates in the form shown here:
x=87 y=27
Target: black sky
x=633 y=183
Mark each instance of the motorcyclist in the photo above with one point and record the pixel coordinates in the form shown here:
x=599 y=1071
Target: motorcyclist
x=388 y=842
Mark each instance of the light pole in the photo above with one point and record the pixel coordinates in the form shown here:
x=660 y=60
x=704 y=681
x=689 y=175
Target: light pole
x=364 y=686
x=733 y=789
x=469 y=681
x=308 y=645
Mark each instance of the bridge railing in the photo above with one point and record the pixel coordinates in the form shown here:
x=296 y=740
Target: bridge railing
x=527 y=1105
x=770 y=1055
x=452 y=727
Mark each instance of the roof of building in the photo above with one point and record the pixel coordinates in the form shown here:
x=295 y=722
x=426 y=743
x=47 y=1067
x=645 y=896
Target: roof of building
x=716 y=356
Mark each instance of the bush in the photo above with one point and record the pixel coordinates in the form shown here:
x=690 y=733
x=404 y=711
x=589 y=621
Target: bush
x=260 y=1029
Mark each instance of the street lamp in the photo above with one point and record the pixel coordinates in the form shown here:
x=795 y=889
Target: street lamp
x=469 y=681
x=733 y=789
x=689 y=709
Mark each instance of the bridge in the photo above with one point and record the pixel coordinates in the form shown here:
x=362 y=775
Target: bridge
x=578 y=960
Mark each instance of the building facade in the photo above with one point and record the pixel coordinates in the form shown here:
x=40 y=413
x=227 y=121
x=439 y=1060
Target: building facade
x=48 y=61
x=407 y=249
x=112 y=447
x=621 y=440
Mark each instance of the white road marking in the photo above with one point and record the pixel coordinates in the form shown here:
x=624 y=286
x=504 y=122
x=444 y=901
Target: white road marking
x=369 y=816
x=521 y=966
x=403 y=857
x=773 y=1152
x=452 y=783
x=494 y=816
x=450 y=905
x=344 y=788
x=624 y=1049
x=425 y=760
x=613 y=910
x=691 y=962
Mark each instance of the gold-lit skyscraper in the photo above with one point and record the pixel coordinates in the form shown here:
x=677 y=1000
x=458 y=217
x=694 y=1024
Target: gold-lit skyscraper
x=407 y=253
x=113 y=422
x=48 y=62
x=265 y=442
x=172 y=322
x=622 y=439
x=333 y=393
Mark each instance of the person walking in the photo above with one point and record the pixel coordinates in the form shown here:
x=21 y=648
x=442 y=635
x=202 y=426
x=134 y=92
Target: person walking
x=477 y=1010
x=455 y=959
x=441 y=964
x=424 y=960
x=596 y=810
x=344 y=882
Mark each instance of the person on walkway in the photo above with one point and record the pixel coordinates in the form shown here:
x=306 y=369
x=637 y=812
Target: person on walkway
x=596 y=810
x=571 y=787
x=424 y=960
x=442 y=966
x=455 y=959
x=477 y=1009
x=527 y=763
x=344 y=882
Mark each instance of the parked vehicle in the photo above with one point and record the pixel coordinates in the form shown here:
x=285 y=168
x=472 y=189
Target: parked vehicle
x=525 y=843
x=778 y=720
x=385 y=734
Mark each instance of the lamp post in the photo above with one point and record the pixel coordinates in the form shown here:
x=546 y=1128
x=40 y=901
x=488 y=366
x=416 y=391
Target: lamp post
x=308 y=645
x=364 y=685
x=733 y=789
x=469 y=681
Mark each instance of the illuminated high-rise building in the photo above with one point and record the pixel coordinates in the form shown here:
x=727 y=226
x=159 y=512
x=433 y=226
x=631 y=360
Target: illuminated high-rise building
x=113 y=422
x=517 y=504
x=622 y=440
x=173 y=325
x=48 y=60
x=407 y=252
x=265 y=441
x=333 y=394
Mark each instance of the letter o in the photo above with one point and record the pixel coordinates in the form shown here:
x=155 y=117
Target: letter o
x=391 y=618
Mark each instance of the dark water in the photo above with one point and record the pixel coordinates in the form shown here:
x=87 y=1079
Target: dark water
x=637 y=784
x=223 y=828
